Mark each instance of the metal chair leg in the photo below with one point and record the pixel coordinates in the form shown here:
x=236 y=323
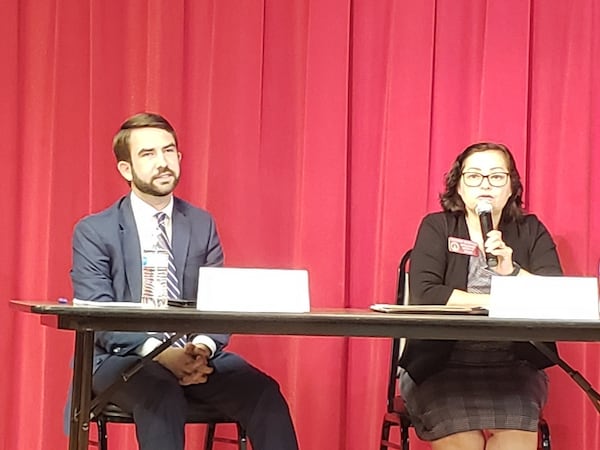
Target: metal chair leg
x=102 y=434
x=242 y=440
x=404 y=436
x=544 y=435
x=210 y=436
x=385 y=435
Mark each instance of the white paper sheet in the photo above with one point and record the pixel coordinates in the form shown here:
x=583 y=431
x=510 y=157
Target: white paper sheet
x=538 y=297
x=253 y=290
x=97 y=304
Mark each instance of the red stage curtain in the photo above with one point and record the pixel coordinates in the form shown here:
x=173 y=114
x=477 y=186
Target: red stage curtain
x=317 y=132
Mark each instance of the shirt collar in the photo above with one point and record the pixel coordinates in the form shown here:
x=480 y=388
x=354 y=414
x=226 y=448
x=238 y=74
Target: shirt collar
x=143 y=210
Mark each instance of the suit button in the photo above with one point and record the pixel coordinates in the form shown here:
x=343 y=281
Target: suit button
x=116 y=349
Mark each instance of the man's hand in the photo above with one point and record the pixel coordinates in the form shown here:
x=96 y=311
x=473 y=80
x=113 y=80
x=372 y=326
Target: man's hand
x=189 y=365
x=200 y=353
x=197 y=351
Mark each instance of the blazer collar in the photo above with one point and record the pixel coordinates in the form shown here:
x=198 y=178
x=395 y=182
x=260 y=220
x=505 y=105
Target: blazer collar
x=181 y=234
x=130 y=243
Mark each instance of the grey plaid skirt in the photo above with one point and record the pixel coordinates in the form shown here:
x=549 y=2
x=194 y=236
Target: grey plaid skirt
x=466 y=395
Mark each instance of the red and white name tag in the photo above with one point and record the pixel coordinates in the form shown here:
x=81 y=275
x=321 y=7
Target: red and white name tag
x=462 y=246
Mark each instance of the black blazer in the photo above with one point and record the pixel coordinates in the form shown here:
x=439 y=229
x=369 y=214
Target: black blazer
x=435 y=273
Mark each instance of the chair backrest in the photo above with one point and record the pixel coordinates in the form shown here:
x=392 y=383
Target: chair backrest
x=402 y=297
x=397 y=343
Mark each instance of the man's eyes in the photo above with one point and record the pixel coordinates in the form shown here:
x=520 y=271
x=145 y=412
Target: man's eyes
x=149 y=153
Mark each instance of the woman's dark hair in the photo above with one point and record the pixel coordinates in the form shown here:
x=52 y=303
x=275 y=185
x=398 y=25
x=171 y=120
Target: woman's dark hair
x=450 y=199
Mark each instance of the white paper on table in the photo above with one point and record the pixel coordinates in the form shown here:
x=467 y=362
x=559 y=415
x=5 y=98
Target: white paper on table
x=99 y=304
x=253 y=290
x=541 y=297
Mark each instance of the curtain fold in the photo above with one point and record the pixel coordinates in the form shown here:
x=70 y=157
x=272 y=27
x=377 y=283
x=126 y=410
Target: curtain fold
x=317 y=132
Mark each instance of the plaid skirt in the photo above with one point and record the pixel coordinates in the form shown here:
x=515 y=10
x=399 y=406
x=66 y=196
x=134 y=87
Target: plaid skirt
x=465 y=398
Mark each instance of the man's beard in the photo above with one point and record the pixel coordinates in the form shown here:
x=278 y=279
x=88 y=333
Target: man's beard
x=149 y=188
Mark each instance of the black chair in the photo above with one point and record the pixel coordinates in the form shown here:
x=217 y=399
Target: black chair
x=198 y=414
x=396 y=414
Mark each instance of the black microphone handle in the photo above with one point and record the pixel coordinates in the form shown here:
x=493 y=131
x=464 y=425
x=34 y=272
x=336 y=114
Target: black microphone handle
x=485 y=218
x=492 y=260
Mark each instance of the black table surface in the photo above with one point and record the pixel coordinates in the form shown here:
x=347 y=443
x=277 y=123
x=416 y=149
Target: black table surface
x=317 y=322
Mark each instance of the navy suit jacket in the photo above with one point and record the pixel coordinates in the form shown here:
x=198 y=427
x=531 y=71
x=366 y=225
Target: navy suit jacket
x=107 y=263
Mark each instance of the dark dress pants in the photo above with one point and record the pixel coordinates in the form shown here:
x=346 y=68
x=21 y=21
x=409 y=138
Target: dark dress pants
x=158 y=403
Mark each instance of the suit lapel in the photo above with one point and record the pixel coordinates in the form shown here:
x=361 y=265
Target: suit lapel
x=130 y=243
x=181 y=234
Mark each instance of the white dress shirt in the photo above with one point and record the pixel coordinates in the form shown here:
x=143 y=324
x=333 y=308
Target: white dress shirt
x=147 y=227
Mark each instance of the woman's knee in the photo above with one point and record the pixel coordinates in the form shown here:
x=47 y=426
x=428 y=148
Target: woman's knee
x=466 y=440
x=512 y=439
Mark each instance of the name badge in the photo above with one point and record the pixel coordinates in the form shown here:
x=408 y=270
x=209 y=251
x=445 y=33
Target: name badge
x=462 y=246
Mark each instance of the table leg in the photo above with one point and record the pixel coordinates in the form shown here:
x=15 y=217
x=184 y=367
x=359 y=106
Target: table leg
x=82 y=390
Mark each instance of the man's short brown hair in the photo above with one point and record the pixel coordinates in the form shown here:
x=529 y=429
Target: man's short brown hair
x=140 y=120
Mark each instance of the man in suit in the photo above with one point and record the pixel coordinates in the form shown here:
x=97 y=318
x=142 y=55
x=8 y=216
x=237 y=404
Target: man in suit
x=107 y=266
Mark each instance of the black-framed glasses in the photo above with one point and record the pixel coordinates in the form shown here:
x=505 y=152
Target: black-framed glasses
x=495 y=179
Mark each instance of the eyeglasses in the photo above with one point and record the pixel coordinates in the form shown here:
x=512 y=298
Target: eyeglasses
x=496 y=179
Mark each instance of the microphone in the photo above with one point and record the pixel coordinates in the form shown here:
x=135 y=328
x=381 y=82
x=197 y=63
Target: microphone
x=484 y=211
